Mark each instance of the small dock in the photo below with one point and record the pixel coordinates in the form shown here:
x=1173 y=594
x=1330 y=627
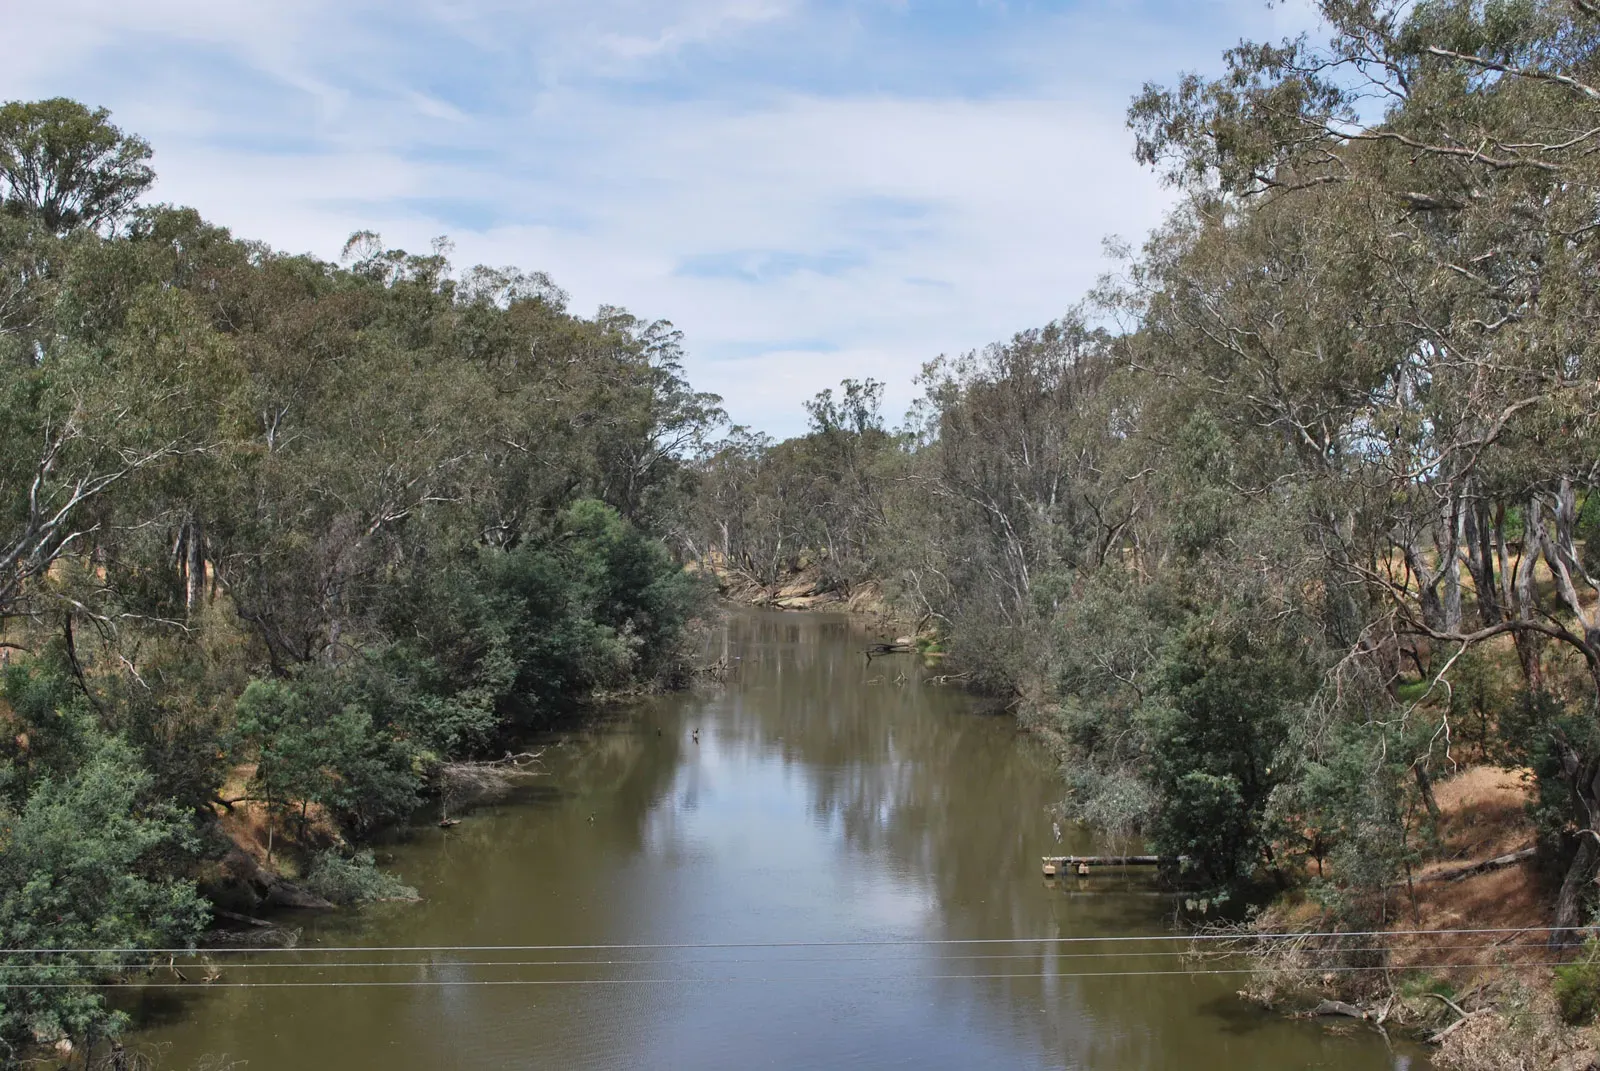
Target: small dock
x=1081 y=864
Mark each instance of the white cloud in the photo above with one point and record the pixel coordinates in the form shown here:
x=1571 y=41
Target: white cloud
x=1004 y=205
x=690 y=24
x=881 y=229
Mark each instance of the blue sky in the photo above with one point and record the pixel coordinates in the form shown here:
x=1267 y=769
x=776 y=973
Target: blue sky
x=809 y=189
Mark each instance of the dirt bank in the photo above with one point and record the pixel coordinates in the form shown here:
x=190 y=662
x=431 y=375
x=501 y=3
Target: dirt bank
x=1486 y=999
x=803 y=586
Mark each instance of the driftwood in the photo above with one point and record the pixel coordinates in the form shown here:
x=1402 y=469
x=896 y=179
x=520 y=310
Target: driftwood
x=1105 y=860
x=889 y=648
x=1453 y=1027
x=269 y=887
x=1458 y=1009
x=284 y=893
x=487 y=775
x=271 y=937
x=718 y=671
x=461 y=782
x=1338 y=1007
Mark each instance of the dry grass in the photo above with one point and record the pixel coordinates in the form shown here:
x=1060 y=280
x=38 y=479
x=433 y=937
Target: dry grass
x=1515 y=1024
x=247 y=825
x=1483 y=812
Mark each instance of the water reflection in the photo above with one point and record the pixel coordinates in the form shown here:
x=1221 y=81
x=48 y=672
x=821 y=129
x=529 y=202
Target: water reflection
x=819 y=805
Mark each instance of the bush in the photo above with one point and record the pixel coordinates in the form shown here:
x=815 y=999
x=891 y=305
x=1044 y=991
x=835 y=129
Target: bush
x=500 y=636
x=354 y=880
x=1577 y=988
x=80 y=868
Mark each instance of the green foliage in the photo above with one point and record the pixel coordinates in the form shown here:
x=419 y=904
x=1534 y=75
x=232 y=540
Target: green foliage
x=1345 y=429
x=1351 y=807
x=1541 y=733
x=1577 y=988
x=765 y=506
x=520 y=633
x=506 y=635
x=1588 y=530
x=353 y=879
x=316 y=742
x=68 y=165
x=1115 y=800
x=347 y=521
x=85 y=863
x=1411 y=691
x=52 y=724
x=1344 y=442
x=1220 y=749
x=593 y=604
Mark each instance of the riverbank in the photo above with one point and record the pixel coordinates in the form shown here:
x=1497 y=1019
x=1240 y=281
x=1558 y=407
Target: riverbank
x=802 y=586
x=1489 y=1000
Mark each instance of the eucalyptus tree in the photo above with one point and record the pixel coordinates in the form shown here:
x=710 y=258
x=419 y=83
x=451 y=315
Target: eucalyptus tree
x=87 y=412
x=1010 y=490
x=347 y=521
x=1445 y=149
x=67 y=165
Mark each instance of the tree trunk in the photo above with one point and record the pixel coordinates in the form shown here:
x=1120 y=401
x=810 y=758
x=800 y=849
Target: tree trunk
x=1480 y=562
x=195 y=568
x=1579 y=879
x=1425 y=789
x=1523 y=598
x=1580 y=876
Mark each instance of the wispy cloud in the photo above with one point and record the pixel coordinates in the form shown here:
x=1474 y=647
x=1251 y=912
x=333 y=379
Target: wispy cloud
x=809 y=188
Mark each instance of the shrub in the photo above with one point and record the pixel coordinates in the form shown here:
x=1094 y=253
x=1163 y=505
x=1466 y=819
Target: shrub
x=354 y=880
x=1577 y=988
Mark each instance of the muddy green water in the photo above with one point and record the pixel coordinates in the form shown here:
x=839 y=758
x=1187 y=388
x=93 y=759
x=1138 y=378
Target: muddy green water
x=842 y=833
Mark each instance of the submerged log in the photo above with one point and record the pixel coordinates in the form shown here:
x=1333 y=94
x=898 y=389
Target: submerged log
x=284 y=893
x=234 y=916
x=270 y=887
x=1339 y=1007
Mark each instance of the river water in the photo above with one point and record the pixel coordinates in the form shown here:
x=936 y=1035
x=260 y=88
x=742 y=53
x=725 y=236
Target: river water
x=804 y=868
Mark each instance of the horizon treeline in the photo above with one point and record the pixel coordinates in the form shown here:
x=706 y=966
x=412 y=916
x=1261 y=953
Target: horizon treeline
x=346 y=522
x=1296 y=513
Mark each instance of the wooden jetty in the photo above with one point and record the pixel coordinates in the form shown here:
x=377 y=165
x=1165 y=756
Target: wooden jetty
x=1080 y=864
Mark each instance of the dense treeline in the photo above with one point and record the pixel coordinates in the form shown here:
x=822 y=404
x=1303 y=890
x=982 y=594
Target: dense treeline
x=343 y=523
x=1298 y=510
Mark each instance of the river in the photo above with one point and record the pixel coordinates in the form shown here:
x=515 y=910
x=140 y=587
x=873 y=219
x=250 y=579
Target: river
x=793 y=870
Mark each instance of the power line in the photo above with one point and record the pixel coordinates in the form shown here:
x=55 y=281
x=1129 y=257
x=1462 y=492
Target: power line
x=442 y=982
x=643 y=962
x=885 y=943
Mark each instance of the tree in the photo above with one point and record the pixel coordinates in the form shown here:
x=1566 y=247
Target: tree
x=69 y=166
x=315 y=743
x=1460 y=322
x=1219 y=749
x=351 y=520
x=80 y=868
